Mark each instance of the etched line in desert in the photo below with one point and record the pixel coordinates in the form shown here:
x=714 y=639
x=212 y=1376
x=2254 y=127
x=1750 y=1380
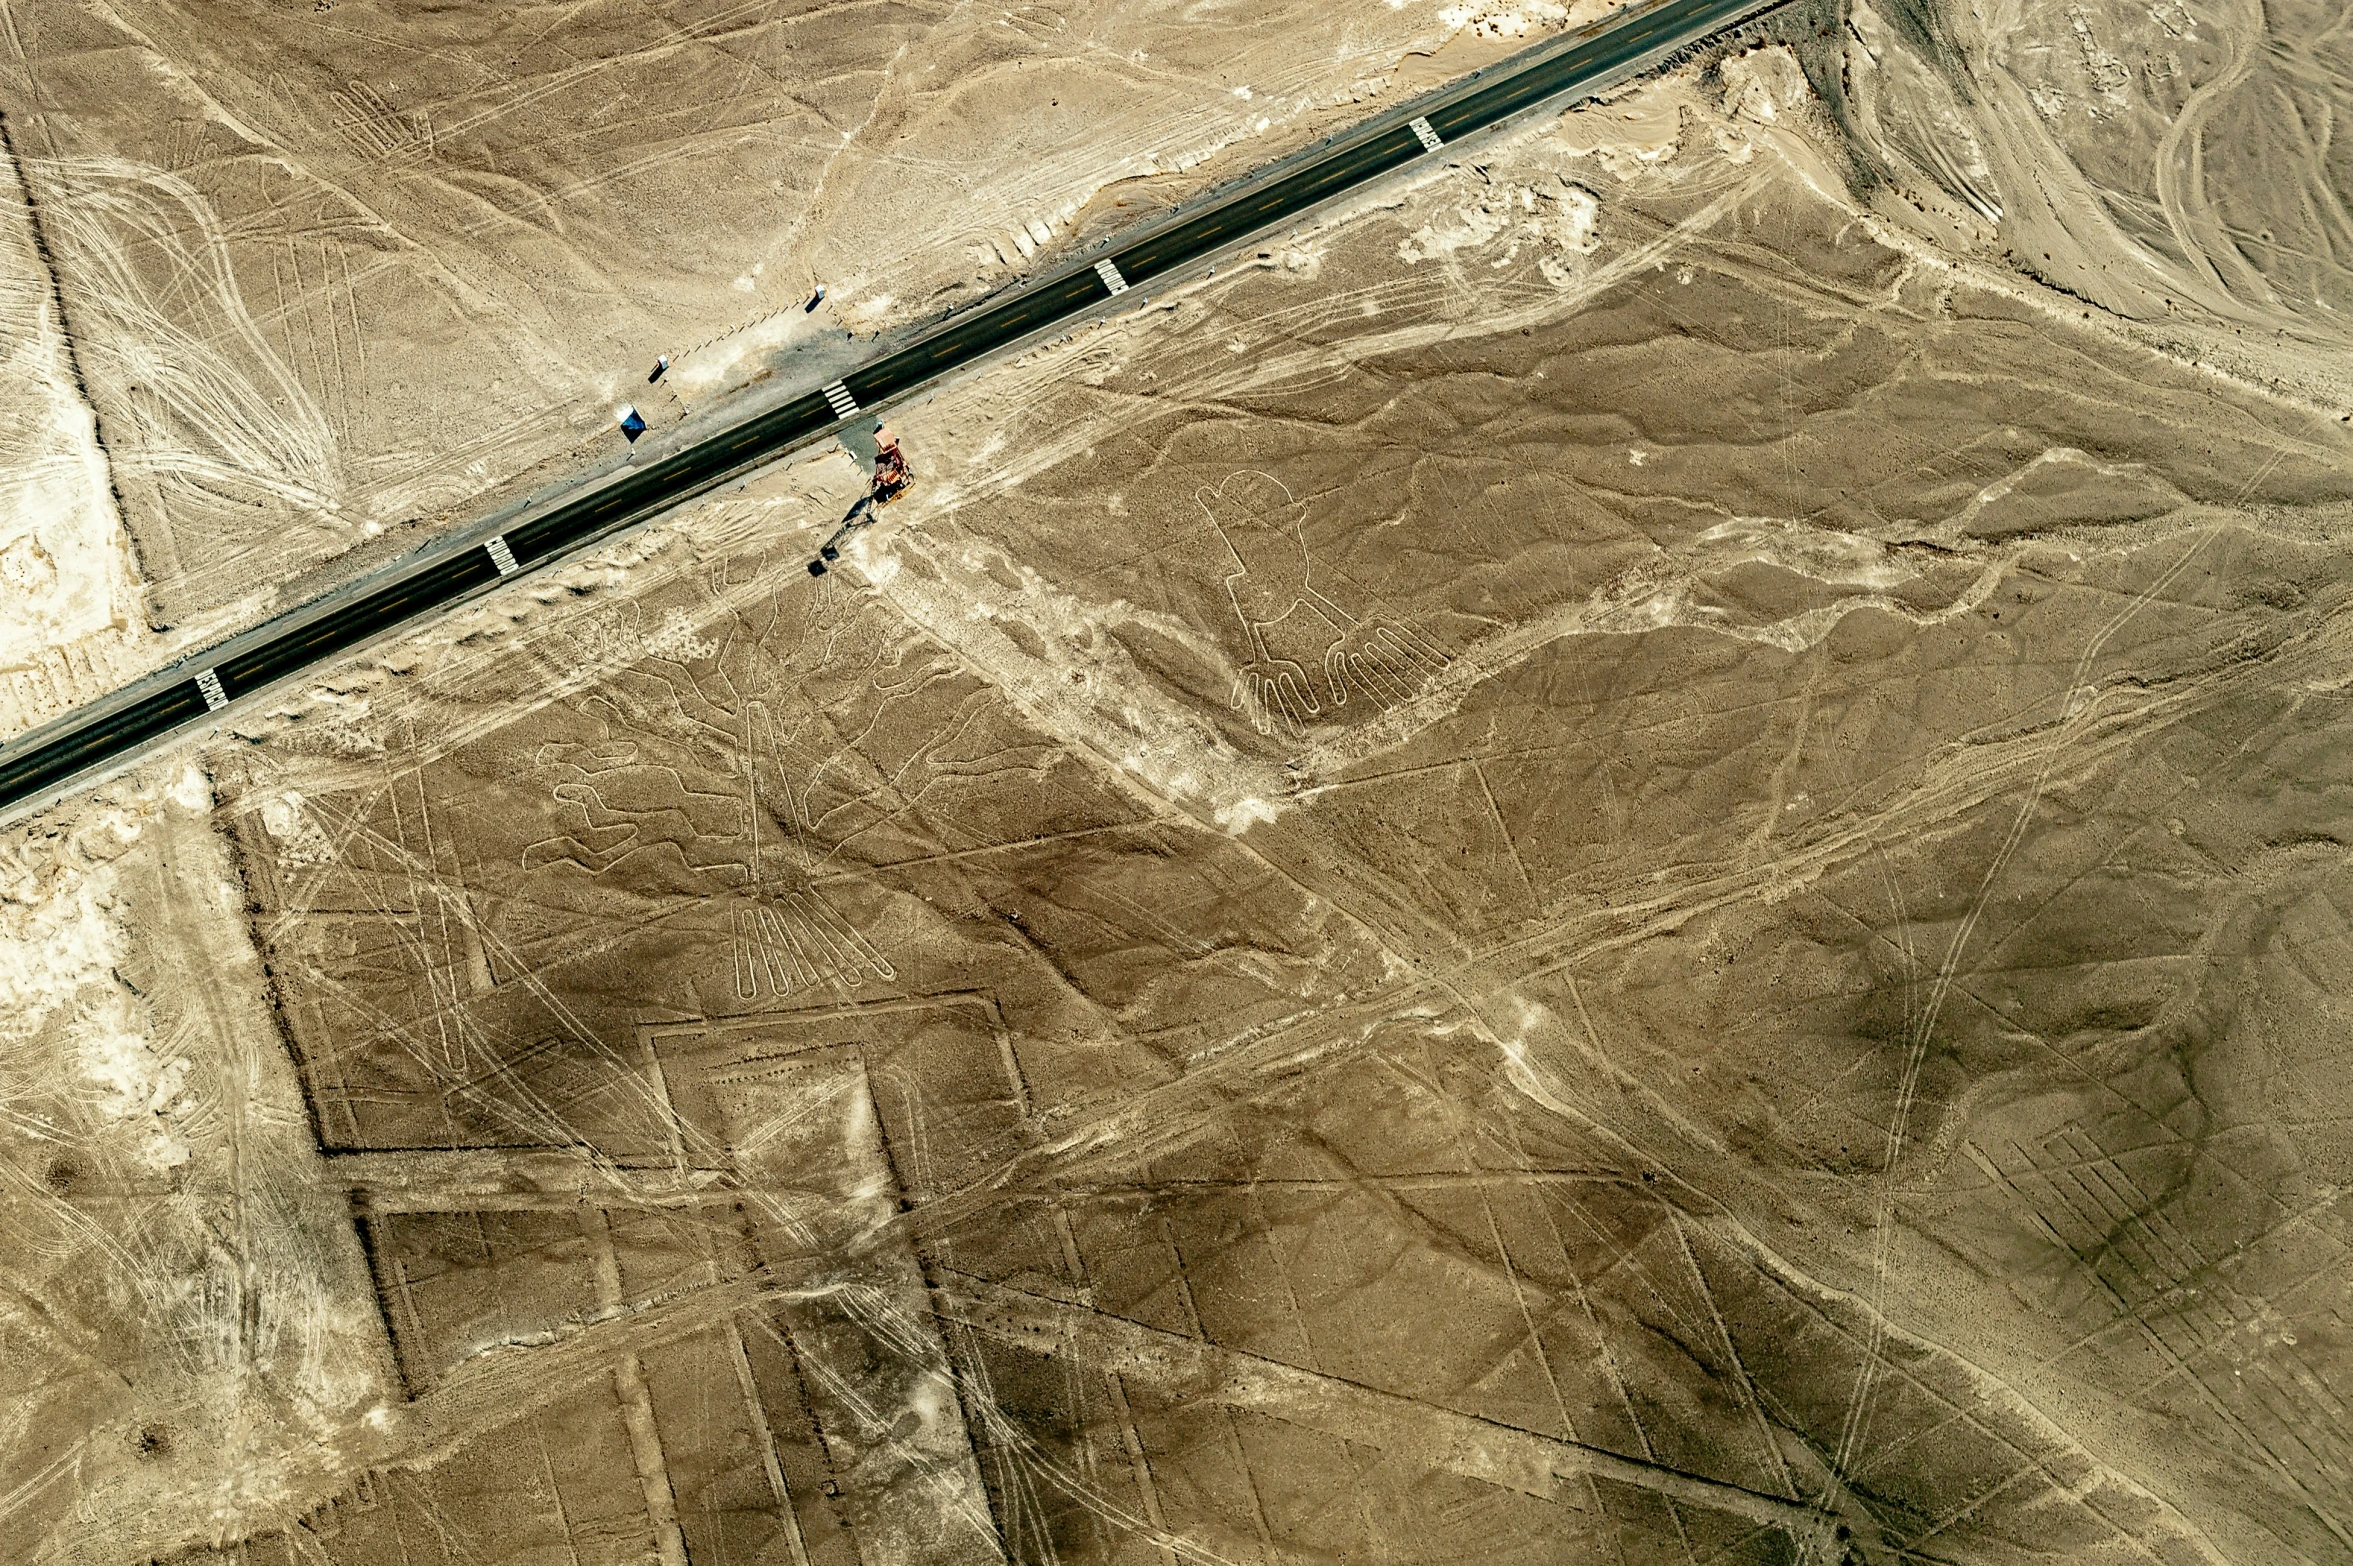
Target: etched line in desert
x=1530 y=781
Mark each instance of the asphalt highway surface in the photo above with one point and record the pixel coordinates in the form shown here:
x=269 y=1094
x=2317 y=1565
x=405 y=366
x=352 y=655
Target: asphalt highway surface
x=41 y=764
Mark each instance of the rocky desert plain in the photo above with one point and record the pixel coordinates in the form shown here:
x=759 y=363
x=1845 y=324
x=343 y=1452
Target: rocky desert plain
x=1627 y=852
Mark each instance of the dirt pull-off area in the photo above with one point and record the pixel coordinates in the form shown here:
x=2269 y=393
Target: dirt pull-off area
x=1635 y=854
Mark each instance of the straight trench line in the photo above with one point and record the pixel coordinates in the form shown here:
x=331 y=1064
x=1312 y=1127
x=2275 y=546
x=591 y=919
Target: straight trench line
x=1185 y=1369
x=502 y=1386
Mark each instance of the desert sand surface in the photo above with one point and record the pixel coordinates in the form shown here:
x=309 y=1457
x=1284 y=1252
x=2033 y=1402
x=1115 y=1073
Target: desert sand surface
x=337 y=275
x=1634 y=853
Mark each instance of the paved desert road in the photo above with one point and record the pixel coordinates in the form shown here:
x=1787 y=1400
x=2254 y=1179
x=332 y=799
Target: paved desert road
x=82 y=745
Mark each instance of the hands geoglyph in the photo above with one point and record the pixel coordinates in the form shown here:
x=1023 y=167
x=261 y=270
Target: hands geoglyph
x=1292 y=626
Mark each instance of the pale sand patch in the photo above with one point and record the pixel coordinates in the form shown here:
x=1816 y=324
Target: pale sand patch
x=69 y=591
